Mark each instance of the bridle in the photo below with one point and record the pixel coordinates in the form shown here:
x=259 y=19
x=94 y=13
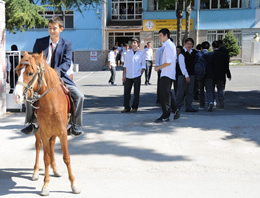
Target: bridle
x=38 y=76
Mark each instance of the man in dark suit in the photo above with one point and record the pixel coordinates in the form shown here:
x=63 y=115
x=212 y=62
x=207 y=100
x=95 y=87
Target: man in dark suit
x=58 y=52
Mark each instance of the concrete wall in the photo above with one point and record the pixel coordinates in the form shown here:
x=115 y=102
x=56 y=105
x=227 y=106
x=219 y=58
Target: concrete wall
x=2 y=59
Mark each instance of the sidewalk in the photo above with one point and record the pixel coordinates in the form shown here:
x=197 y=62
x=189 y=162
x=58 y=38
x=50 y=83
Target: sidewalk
x=202 y=154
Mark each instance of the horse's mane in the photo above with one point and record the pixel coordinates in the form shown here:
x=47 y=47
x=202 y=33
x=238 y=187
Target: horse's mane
x=51 y=75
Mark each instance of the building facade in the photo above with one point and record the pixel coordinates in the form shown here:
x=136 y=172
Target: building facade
x=97 y=29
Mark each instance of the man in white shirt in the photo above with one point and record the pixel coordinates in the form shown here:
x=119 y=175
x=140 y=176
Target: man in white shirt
x=148 y=54
x=168 y=69
x=134 y=66
x=112 y=64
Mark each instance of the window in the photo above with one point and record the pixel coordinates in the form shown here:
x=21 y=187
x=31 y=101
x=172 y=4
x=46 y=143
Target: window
x=66 y=16
x=126 y=9
x=224 y=4
x=214 y=35
x=158 y=6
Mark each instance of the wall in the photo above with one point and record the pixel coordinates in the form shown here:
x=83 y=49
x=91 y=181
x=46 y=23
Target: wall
x=2 y=59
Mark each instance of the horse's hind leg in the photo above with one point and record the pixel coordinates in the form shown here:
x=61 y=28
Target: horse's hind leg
x=47 y=160
x=66 y=159
x=53 y=163
x=38 y=146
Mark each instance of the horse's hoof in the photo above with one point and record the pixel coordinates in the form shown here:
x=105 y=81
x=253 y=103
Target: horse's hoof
x=75 y=190
x=35 y=176
x=45 y=192
x=56 y=174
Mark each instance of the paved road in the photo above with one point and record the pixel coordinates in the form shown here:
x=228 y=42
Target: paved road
x=202 y=154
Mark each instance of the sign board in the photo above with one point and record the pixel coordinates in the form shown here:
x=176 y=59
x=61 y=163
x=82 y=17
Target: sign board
x=93 y=56
x=171 y=24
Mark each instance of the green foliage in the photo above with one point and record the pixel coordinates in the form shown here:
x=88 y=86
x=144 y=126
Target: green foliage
x=231 y=43
x=22 y=15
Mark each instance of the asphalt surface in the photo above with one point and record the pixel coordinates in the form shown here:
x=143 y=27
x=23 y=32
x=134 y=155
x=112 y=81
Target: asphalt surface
x=201 y=155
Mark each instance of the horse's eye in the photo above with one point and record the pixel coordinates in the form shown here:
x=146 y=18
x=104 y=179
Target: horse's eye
x=30 y=74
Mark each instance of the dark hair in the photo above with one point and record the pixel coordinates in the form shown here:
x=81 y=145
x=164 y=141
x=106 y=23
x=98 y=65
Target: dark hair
x=215 y=44
x=179 y=46
x=220 y=43
x=165 y=31
x=189 y=39
x=198 y=47
x=135 y=39
x=14 y=48
x=148 y=42
x=58 y=20
x=114 y=48
x=205 y=45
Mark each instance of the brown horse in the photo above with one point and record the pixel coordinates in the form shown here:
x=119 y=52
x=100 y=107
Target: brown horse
x=39 y=82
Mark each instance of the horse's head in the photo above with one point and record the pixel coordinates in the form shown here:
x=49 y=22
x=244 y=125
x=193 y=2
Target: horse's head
x=28 y=71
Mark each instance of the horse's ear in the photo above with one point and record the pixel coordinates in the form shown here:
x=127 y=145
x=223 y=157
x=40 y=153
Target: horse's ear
x=41 y=55
x=26 y=53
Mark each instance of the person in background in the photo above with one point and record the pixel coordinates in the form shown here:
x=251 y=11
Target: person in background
x=187 y=78
x=123 y=55
x=14 y=60
x=168 y=69
x=148 y=55
x=220 y=66
x=112 y=64
x=134 y=67
x=178 y=70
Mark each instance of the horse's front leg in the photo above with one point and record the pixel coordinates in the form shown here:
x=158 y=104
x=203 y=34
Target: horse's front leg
x=47 y=160
x=53 y=163
x=38 y=146
x=66 y=159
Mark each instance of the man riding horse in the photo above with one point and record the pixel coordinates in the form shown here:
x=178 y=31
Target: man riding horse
x=58 y=52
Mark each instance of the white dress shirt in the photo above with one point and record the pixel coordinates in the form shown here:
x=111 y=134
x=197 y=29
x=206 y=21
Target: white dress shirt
x=148 y=54
x=169 y=56
x=182 y=63
x=134 y=63
x=112 y=58
x=158 y=56
x=50 y=50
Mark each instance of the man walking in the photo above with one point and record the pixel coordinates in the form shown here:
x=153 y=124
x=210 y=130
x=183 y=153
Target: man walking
x=112 y=64
x=148 y=54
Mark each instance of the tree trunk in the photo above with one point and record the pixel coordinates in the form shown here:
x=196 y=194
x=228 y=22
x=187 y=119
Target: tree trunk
x=179 y=15
x=188 y=13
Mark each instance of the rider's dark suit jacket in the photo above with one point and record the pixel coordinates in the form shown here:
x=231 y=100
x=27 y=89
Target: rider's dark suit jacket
x=63 y=56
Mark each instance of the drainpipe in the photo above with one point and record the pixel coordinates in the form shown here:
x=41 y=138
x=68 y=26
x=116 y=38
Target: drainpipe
x=198 y=21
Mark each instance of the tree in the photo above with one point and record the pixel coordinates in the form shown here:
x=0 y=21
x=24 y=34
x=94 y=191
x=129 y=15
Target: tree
x=179 y=15
x=231 y=43
x=22 y=15
x=188 y=11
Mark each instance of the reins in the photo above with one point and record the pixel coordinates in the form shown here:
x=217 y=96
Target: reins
x=38 y=76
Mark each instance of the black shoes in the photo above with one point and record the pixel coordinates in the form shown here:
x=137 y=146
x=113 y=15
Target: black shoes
x=176 y=114
x=29 y=129
x=191 y=110
x=160 y=120
x=125 y=111
x=210 y=107
x=74 y=131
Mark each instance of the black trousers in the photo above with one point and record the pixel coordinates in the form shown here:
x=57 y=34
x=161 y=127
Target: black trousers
x=167 y=99
x=127 y=92
x=113 y=74
x=148 y=71
x=158 y=86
